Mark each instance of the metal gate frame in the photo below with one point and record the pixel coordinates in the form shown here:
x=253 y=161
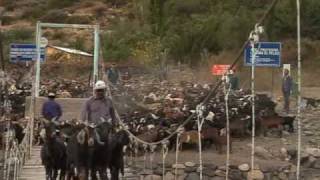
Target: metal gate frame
x=36 y=81
x=41 y=25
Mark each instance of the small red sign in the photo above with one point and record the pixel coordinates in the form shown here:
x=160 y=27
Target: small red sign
x=220 y=69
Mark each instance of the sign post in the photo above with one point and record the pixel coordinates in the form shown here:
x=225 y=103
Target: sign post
x=267 y=54
x=220 y=69
x=25 y=53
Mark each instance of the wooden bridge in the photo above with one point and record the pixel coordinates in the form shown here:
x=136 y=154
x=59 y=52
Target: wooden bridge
x=33 y=169
x=25 y=165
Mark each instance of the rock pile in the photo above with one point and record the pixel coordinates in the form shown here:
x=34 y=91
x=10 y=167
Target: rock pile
x=190 y=171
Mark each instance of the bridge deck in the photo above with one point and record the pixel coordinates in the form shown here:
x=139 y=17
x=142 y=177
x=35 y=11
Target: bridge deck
x=33 y=169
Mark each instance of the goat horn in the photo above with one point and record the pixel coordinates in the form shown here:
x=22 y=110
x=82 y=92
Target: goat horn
x=98 y=138
x=81 y=137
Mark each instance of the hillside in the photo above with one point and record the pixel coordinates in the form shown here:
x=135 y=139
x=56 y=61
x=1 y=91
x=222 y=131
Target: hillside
x=198 y=33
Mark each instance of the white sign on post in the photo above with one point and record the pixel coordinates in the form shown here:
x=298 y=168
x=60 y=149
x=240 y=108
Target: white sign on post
x=43 y=42
x=286 y=66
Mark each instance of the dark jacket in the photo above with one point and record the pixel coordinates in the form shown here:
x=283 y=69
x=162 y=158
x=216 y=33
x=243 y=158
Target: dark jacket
x=51 y=109
x=286 y=84
x=113 y=75
x=234 y=82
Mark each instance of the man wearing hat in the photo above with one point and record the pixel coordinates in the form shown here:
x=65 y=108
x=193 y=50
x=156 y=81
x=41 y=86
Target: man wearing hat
x=98 y=108
x=51 y=109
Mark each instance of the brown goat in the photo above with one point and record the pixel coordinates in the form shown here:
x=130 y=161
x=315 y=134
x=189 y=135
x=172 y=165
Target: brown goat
x=273 y=121
x=213 y=135
x=189 y=137
x=238 y=128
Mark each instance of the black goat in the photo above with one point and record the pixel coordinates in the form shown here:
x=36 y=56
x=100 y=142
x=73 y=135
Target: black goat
x=288 y=121
x=86 y=151
x=18 y=129
x=53 y=153
x=98 y=159
x=74 y=150
x=115 y=153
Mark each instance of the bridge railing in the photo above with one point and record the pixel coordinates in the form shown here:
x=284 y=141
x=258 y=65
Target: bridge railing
x=16 y=154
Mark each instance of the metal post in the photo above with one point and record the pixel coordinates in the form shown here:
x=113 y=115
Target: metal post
x=299 y=89
x=272 y=83
x=38 y=37
x=177 y=155
x=96 y=53
x=6 y=152
x=32 y=115
x=226 y=98
x=200 y=121
x=253 y=103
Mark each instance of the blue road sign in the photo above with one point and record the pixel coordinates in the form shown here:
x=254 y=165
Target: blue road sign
x=268 y=54
x=25 y=52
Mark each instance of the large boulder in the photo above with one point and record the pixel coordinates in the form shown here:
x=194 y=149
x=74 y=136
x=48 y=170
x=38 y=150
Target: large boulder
x=193 y=176
x=316 y=164
x=255 y=175
x=244 y=167
x=153 y=177
x=262 y=153
x=313 y=151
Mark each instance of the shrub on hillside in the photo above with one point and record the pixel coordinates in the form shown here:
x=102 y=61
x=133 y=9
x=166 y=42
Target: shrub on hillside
x=78 y=44
x=117 y=2
x=99 y=11
x=34 y=12
x=7 y=20
x=60 y=34
x=18 y=35
x=8 y=4
x=76 y=19
x=55 y=16
x=61 y=3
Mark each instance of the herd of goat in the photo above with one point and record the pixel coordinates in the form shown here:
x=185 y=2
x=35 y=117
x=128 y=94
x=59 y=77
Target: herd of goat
x=80 y=150
x=77 y=151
